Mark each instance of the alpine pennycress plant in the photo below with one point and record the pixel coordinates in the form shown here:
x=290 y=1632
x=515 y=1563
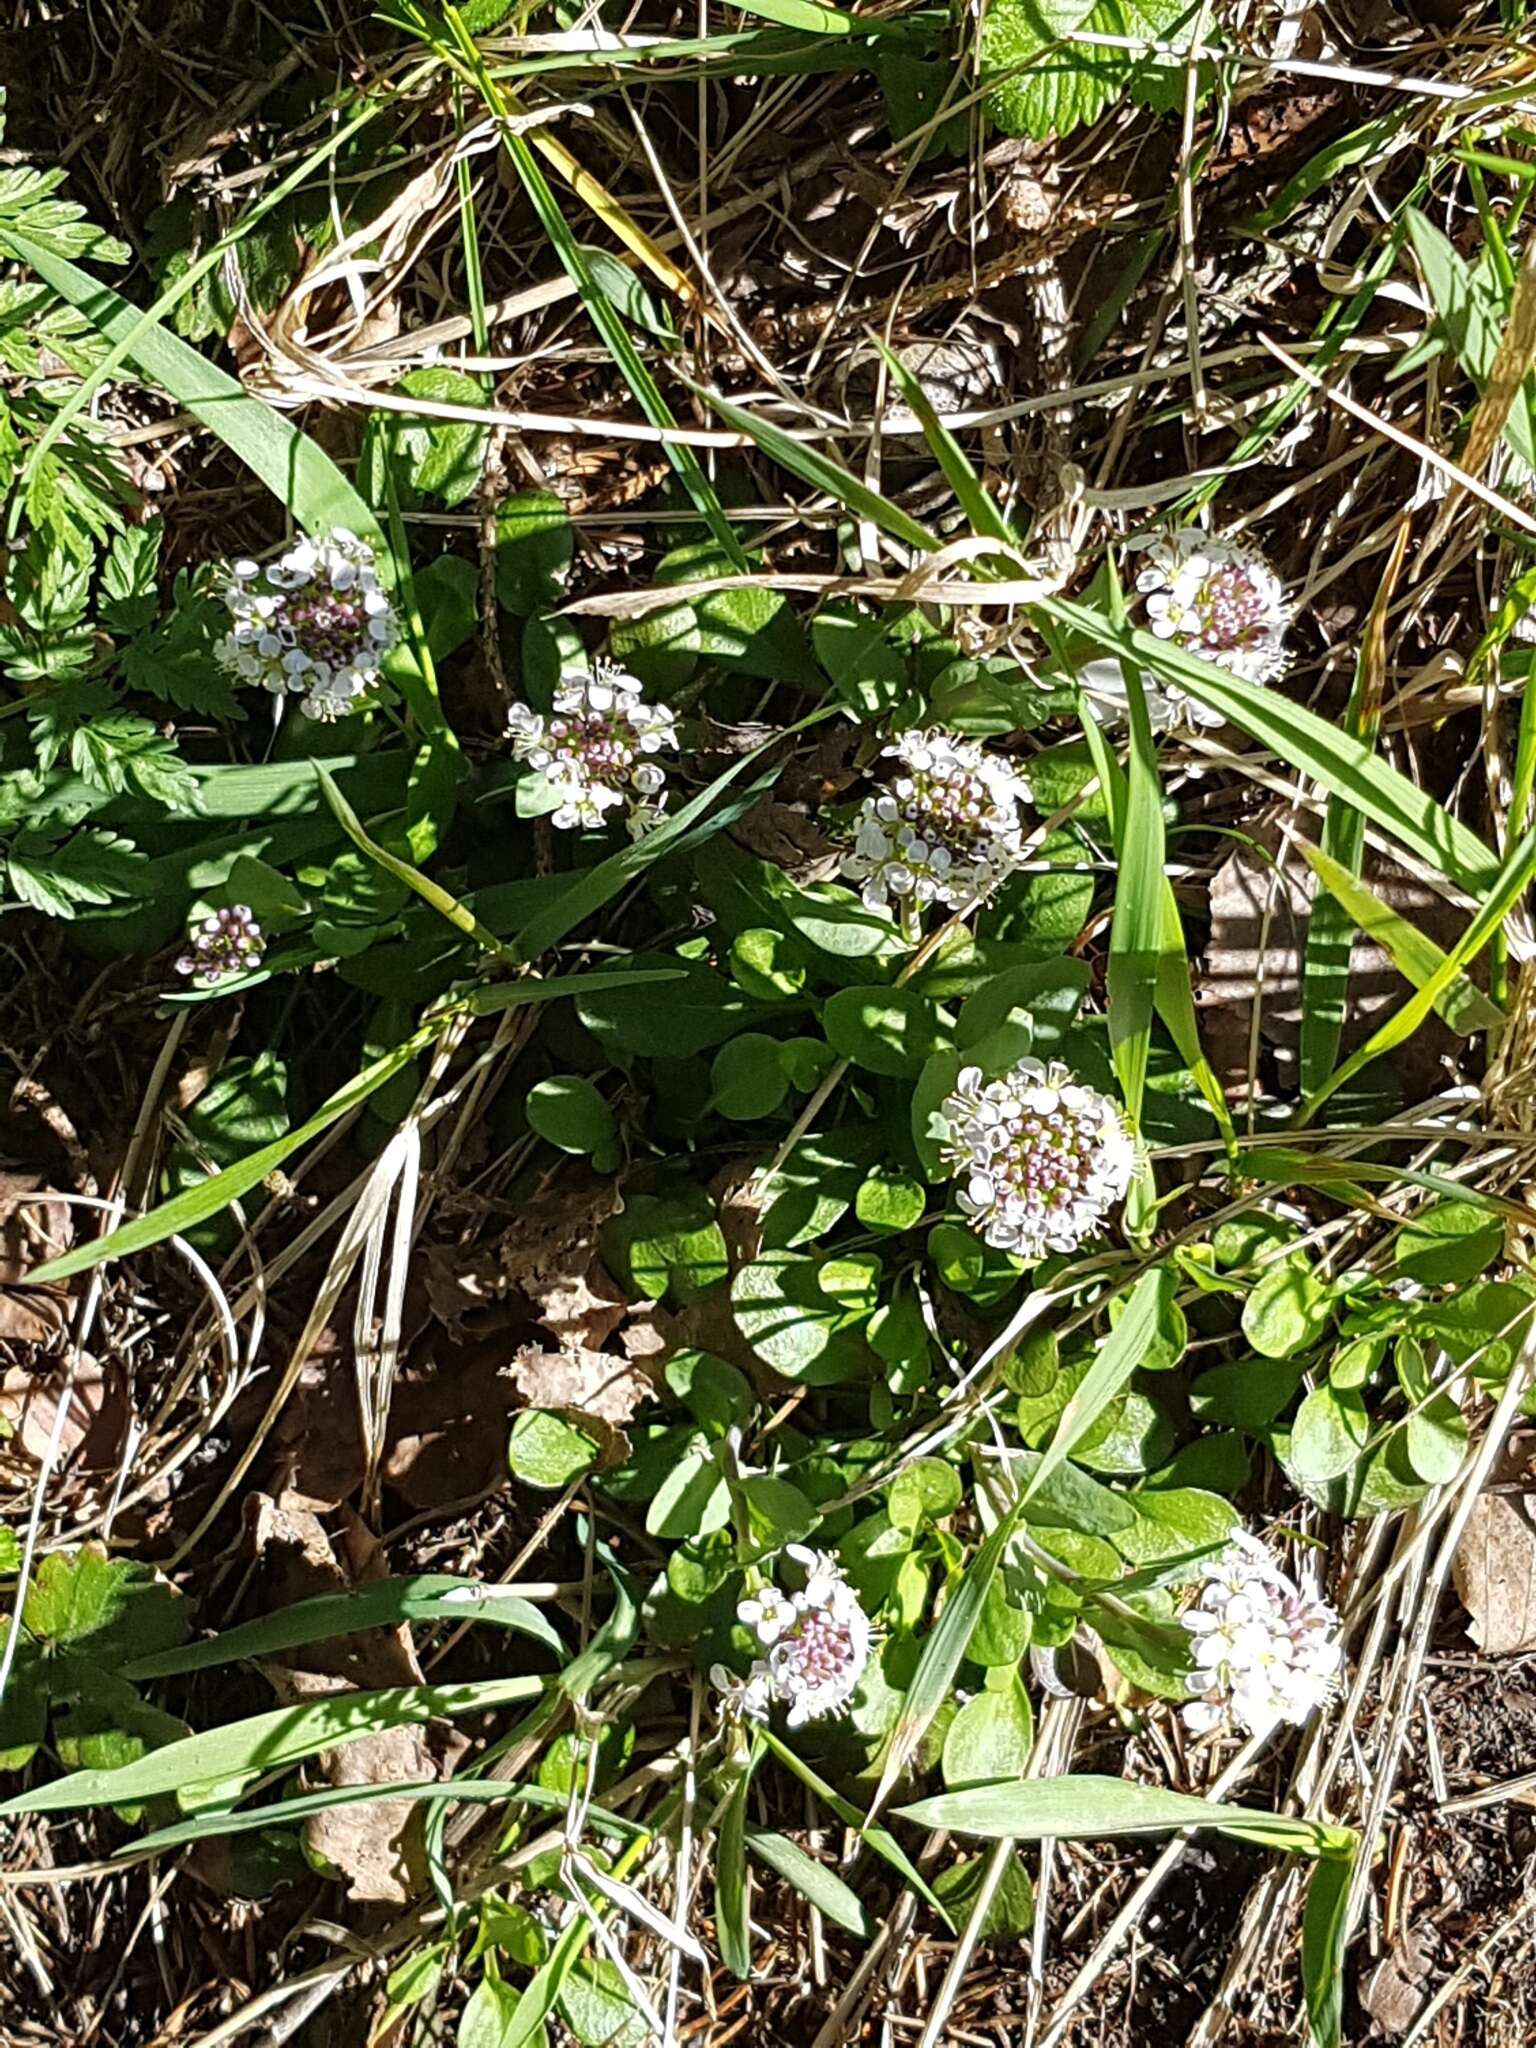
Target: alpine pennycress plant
x=975 y=1320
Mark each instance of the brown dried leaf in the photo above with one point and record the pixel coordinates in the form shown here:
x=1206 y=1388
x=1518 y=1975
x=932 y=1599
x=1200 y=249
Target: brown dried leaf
x=581 y=1382
x=448 y=1426
x=97 y=1418
x=31 y=1232
x=549 y=1258
x=1394 y=1992
x=1495 y=1572
x=377 y=1848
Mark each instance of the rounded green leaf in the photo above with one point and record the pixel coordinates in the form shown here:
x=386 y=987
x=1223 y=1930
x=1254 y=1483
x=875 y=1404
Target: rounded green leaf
x=533 y=551
x=747 y=1080
x=568 y=1111
x=890 y=1031
x=990 y=1738
x=1288 y=1310
x=795 y=1325
x=890 y=1201
x=1331 y=1429
x=1449 y=1244
x=925 y=1491
x=548 y=1450
x=767 y=964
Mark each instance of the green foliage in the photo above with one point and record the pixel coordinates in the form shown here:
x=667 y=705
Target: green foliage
x=84 y=1618
x=1046 y=84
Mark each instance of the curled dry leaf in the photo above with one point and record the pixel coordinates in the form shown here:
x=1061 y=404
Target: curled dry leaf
x=448 y=1425
x=1495 y=1569
x=587 y=1383
x=549 y=1259
x=91 y=1438
x=376 y=1849
x=1395 y=1990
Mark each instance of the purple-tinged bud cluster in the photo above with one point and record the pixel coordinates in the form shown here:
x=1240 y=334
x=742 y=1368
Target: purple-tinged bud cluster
x=816 y=1645
x=597 y=748
x=945 y=829
x=1039 y=1160
x=314 y=624
x=1217 y=599
x=227 y=942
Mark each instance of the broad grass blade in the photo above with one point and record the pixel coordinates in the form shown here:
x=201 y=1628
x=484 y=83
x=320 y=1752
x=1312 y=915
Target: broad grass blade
x=385 y=1603
x=1119 y=1355
x=265 y=1742
x=812 y=1880
x=1324 y=1936
x=294 y=468
x=1416 y=957
x=943 y=1653
x=1334 y=759
x=733 y=1933
x=1330 y=938
x=970 y=493
x=1506 y=891
x=1088 y=1807
x=822 y=474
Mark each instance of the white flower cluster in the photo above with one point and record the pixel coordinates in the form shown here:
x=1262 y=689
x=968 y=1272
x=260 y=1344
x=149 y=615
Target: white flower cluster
x=314 y=624
x=226 y=942
x=597 y=748
x=816 y=1644
x=1266 y=1650
x=1039 y=1159
x=1217 y=599
x=943 y=830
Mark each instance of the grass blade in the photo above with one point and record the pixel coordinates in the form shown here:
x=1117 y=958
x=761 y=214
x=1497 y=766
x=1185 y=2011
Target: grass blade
x=812 y=1880
x=822 y=474
x=1174 y=996
x=385 y=1603
x=602 y=883
x=442 y=901
x=264 y=1742
x=1511 y=884
x=943 y=1652
x=1337 y=761
x=1416 y=957
x=604 y=316
x=1089 y=1807
x=1136 y=928
x=733 y=1931
x=1330 y=940
x=294 y=468
x=970 y=494
x=1120 y=1354
x=197 y=1204
x=881 y=1840
x=202 y=1827
x=1324 y=1936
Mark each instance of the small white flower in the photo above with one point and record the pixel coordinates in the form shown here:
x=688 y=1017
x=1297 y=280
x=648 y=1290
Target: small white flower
x=1039 y=1159
x=818 y=1643
x=1265 y=1650
x=314 y=624
x=943 y=830
x=1169 y=709
x=227 y=942
x=596 y=749
x=743 y=1699
x=1219 y=599
x=768 y=1614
